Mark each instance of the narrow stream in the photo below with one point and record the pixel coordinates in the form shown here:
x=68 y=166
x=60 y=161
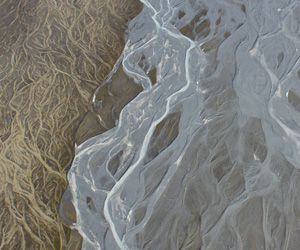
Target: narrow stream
x=206 y=156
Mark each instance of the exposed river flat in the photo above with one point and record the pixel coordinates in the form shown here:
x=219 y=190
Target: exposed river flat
x=178 y=122
x=53 y=55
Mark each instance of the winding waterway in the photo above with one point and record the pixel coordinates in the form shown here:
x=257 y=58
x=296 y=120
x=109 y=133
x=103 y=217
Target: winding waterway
x=206 y=156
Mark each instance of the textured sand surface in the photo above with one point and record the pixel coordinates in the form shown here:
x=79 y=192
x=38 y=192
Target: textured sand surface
x=53 y=55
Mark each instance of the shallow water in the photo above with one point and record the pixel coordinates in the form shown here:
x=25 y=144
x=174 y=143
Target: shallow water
x=207 y=155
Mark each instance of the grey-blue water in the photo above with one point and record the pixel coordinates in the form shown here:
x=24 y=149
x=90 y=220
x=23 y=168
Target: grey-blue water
x=207 y=155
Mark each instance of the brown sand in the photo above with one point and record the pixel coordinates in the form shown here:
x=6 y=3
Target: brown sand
x=53 y=54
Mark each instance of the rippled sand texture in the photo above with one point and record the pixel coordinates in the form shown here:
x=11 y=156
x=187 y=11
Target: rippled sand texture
x=207 y=155
x=53 y=55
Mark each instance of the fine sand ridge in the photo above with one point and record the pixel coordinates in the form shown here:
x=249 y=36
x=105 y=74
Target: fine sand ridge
x=53 y=55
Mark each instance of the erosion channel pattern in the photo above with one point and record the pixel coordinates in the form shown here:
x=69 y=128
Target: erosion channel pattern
x=53 y=55
x=206 y=156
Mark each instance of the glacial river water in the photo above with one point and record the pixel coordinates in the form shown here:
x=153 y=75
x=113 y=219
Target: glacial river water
x=206 y=156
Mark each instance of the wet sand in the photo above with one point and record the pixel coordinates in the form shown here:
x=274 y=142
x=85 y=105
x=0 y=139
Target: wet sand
x=53 y=55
